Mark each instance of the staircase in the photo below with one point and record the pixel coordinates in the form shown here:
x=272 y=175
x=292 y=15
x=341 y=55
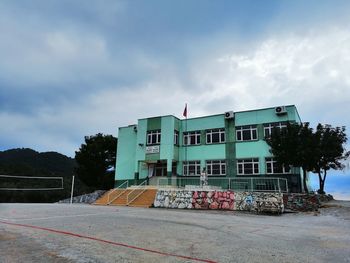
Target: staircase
x=103 y=200
x=138 y=197
x=121 y=199
x=145 y=198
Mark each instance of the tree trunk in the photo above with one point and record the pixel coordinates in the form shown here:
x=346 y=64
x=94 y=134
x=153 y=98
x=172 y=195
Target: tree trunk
x=322 y=182
x=304 y=181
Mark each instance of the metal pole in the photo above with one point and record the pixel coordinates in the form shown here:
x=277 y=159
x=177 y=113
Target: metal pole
x=71 y=193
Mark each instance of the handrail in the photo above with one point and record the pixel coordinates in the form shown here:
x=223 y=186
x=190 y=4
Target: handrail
x=136 y=188
x=278 y=184
x=117 y=188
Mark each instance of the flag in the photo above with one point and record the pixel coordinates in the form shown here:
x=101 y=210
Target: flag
x=185 y=111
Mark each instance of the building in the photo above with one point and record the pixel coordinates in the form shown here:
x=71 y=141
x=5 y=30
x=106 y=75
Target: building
x=228 y=145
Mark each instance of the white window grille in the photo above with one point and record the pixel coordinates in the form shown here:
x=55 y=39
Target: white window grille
x=191 y=168
x=216 y=167
x=268 y=127
x=246 y=133
x=176 y=137
x=248 y=166
x=215 y=136
x=273 y=167
x=192 y=138
x=153 y=137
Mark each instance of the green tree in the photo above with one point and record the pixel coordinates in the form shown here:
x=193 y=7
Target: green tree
x=330 y=151
x=96 y=161
x=294 y=145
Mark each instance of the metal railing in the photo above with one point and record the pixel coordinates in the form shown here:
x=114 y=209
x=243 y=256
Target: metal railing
x=259 y=184
x=115 y=189
x=135 y=193
x=239 y=184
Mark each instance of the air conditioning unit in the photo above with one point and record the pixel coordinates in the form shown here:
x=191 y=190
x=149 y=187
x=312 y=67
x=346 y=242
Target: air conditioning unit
x=280 y=110
x=229 y=115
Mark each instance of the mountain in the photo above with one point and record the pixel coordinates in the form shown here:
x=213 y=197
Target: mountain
x=28 y=162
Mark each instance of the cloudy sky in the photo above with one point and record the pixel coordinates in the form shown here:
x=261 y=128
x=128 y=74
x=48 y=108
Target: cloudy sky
x=75 y=68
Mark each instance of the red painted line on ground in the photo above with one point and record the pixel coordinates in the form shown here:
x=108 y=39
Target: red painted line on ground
x=109 y=242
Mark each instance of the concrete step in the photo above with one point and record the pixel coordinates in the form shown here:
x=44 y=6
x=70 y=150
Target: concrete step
x=122 y=199
x=103 y=199
x=119 y=197
x=146 y=199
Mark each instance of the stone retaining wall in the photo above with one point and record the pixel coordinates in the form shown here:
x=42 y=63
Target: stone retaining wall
x=305 y=202
x=87 y=198
x=220 y=200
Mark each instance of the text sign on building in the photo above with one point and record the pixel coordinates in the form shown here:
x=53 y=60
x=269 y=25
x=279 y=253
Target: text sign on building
x=152 y=149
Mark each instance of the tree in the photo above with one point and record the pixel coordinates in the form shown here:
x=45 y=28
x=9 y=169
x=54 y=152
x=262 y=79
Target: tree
x=294 y=145
x=298 y=145
x=96 y=161
x=330 y=152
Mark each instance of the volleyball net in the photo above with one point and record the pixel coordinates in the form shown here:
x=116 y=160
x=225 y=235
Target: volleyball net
x=30 y=183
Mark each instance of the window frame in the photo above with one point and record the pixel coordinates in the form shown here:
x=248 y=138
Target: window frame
x=222 y=167
x=274 y=166
x=211 y=132
x=176 y=137
x=157 y=134
x=188 y=135
x=268 y=127
x=186 y=167
x=251 y=128
x=247 y=161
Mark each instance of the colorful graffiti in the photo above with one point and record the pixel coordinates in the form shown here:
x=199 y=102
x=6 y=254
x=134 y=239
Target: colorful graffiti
x=220 y=200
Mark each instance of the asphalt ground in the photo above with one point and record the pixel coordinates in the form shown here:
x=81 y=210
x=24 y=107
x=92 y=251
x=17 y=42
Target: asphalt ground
x=63 y=233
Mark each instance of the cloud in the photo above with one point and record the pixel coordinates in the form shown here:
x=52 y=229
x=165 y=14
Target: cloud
x=308 y=70
x=70 y=72
x=63 y=127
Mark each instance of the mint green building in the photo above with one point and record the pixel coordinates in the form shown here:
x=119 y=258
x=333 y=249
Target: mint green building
x=228 y=145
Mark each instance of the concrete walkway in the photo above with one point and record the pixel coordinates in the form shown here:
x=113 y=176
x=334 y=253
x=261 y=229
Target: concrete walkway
x=85 y=233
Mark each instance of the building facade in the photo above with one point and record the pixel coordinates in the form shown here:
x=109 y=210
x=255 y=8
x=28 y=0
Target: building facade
x=231 y=144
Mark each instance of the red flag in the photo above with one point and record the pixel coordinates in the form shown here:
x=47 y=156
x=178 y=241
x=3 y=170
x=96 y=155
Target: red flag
x=185 y=111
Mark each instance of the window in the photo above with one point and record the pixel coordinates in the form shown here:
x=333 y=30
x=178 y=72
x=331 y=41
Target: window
x=192 y=138
x=217 y=167
x=191 y=168
x=246 y=133
x=268 y=127
x=248 y=166
x=215 y=136
x=273 y=167
x=153 y=137
x=176 y=137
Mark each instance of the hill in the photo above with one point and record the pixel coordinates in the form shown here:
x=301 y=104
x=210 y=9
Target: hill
x=28 y=162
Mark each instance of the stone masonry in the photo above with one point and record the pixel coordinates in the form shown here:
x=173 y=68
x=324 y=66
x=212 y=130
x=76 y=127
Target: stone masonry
x=220 y=200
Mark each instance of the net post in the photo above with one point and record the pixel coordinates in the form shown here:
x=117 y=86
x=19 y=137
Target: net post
x=71 y=194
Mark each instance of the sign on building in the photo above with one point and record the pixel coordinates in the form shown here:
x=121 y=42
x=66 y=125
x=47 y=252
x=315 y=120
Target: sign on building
x=152 y=149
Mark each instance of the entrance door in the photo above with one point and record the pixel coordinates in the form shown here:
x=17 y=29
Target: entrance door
x=160 y=169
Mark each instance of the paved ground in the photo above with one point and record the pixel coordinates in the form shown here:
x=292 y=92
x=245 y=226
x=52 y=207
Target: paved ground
x=82 y=233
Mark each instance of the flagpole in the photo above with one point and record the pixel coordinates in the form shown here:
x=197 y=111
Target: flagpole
x=187 y=138
x=185 y=145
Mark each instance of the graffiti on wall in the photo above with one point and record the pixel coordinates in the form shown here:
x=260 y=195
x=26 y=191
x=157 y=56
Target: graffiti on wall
x=220 y=200
x=213 y=200
x=173 y=199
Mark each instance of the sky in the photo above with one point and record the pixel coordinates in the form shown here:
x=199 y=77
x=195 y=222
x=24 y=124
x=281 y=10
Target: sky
x=74 y=68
